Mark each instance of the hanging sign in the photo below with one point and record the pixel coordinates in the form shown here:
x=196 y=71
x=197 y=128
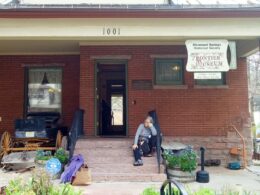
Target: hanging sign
x=233 y=55
x=207 y=56
x=207 y=75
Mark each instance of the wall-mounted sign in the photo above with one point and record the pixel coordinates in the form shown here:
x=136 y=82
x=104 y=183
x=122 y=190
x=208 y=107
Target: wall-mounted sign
x=145 y=84
x=207 y=55
x=207 y=75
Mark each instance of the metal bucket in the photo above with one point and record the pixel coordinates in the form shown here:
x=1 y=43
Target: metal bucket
x=180 y=176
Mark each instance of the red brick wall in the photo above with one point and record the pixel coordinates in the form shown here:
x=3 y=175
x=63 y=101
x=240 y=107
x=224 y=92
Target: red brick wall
x=182 y=112
x=12 y=86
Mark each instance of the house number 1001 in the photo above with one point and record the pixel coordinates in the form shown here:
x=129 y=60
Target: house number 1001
x=111 y=31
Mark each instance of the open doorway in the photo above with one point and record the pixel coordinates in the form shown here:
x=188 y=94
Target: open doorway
x=111 y=99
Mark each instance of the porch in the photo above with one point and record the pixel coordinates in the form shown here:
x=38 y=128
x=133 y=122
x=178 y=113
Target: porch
x=73 y=56
x=79 y=47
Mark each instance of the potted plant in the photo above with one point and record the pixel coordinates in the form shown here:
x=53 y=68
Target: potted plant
x=62 y=155
x=181 y=165
x=42 y=157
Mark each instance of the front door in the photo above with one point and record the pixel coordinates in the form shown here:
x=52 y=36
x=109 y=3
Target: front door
x=111 y=100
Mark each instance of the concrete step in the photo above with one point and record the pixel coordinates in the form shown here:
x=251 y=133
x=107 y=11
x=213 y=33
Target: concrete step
x=124 y=168
x=98 y=152
x=104 y=143
x=111 y=159
x=122 y=159
x=130 y=177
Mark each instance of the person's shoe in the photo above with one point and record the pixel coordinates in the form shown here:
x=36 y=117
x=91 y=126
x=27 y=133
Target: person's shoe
x=138 y=163
x=149 y=155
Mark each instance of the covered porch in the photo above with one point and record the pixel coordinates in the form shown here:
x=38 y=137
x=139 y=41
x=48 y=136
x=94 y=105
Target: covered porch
x=75 y=45
x=68 y=52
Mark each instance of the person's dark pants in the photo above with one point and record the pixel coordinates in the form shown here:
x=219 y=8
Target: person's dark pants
x=151 y=143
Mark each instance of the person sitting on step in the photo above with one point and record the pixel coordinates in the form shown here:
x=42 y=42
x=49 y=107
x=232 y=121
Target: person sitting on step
x=145 y=140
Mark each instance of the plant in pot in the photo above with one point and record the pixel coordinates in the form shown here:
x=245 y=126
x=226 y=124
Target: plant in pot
x=181 y=165
x=62 y=155
x=42 y=157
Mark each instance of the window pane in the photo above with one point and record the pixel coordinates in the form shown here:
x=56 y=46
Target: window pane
x=117 y=109
x=44 y=90
x=169 y=71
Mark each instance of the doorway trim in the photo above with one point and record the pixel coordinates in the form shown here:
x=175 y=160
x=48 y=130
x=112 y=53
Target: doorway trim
x=110 y=61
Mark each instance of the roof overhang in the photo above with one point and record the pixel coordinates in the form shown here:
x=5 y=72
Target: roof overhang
x=129 y=11
x=129 y=29
x=63 y=30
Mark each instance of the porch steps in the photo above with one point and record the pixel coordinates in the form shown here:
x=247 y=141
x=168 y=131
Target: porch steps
x=111 y=159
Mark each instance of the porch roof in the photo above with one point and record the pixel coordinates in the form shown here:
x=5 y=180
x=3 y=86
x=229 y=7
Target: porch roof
x=145 y=8
x=177 y=4
x=46 y=27
x=66 y=35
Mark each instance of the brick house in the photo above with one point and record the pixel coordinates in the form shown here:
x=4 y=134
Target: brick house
x=127 y=60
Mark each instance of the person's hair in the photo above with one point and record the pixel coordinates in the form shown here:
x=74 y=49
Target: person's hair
x=149 y=118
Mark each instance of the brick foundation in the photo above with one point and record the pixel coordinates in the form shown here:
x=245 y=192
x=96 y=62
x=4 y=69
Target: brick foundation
x=218 y=147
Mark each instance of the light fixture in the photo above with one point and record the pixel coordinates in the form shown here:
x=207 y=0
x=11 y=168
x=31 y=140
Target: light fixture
x=175 y=68
x=45 y=79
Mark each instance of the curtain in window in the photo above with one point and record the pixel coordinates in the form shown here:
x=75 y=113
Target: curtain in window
x=53 y=75
x=44 y=97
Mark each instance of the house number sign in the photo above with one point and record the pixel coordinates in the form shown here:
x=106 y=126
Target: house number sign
x=111 y=31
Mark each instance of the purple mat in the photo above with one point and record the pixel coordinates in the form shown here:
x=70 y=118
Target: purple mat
x=76 y=162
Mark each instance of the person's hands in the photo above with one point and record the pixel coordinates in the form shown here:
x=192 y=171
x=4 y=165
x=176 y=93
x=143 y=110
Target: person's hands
x=150 y=125
x=134 y=146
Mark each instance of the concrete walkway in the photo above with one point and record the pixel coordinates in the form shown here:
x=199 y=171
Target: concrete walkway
x=219 y=178
x=237 y=179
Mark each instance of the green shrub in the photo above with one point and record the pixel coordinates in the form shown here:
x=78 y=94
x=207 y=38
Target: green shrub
x=185 y=161
x=153 y=191
x=62 y=155
x=39 y=184
x=18 y=187
x=226 y=190
x=43 y=155
x=204 y=191
x=150 y=191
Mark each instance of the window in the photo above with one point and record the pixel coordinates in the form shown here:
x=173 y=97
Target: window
x=168 y=72
x=44 y=90
x=212 y=82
